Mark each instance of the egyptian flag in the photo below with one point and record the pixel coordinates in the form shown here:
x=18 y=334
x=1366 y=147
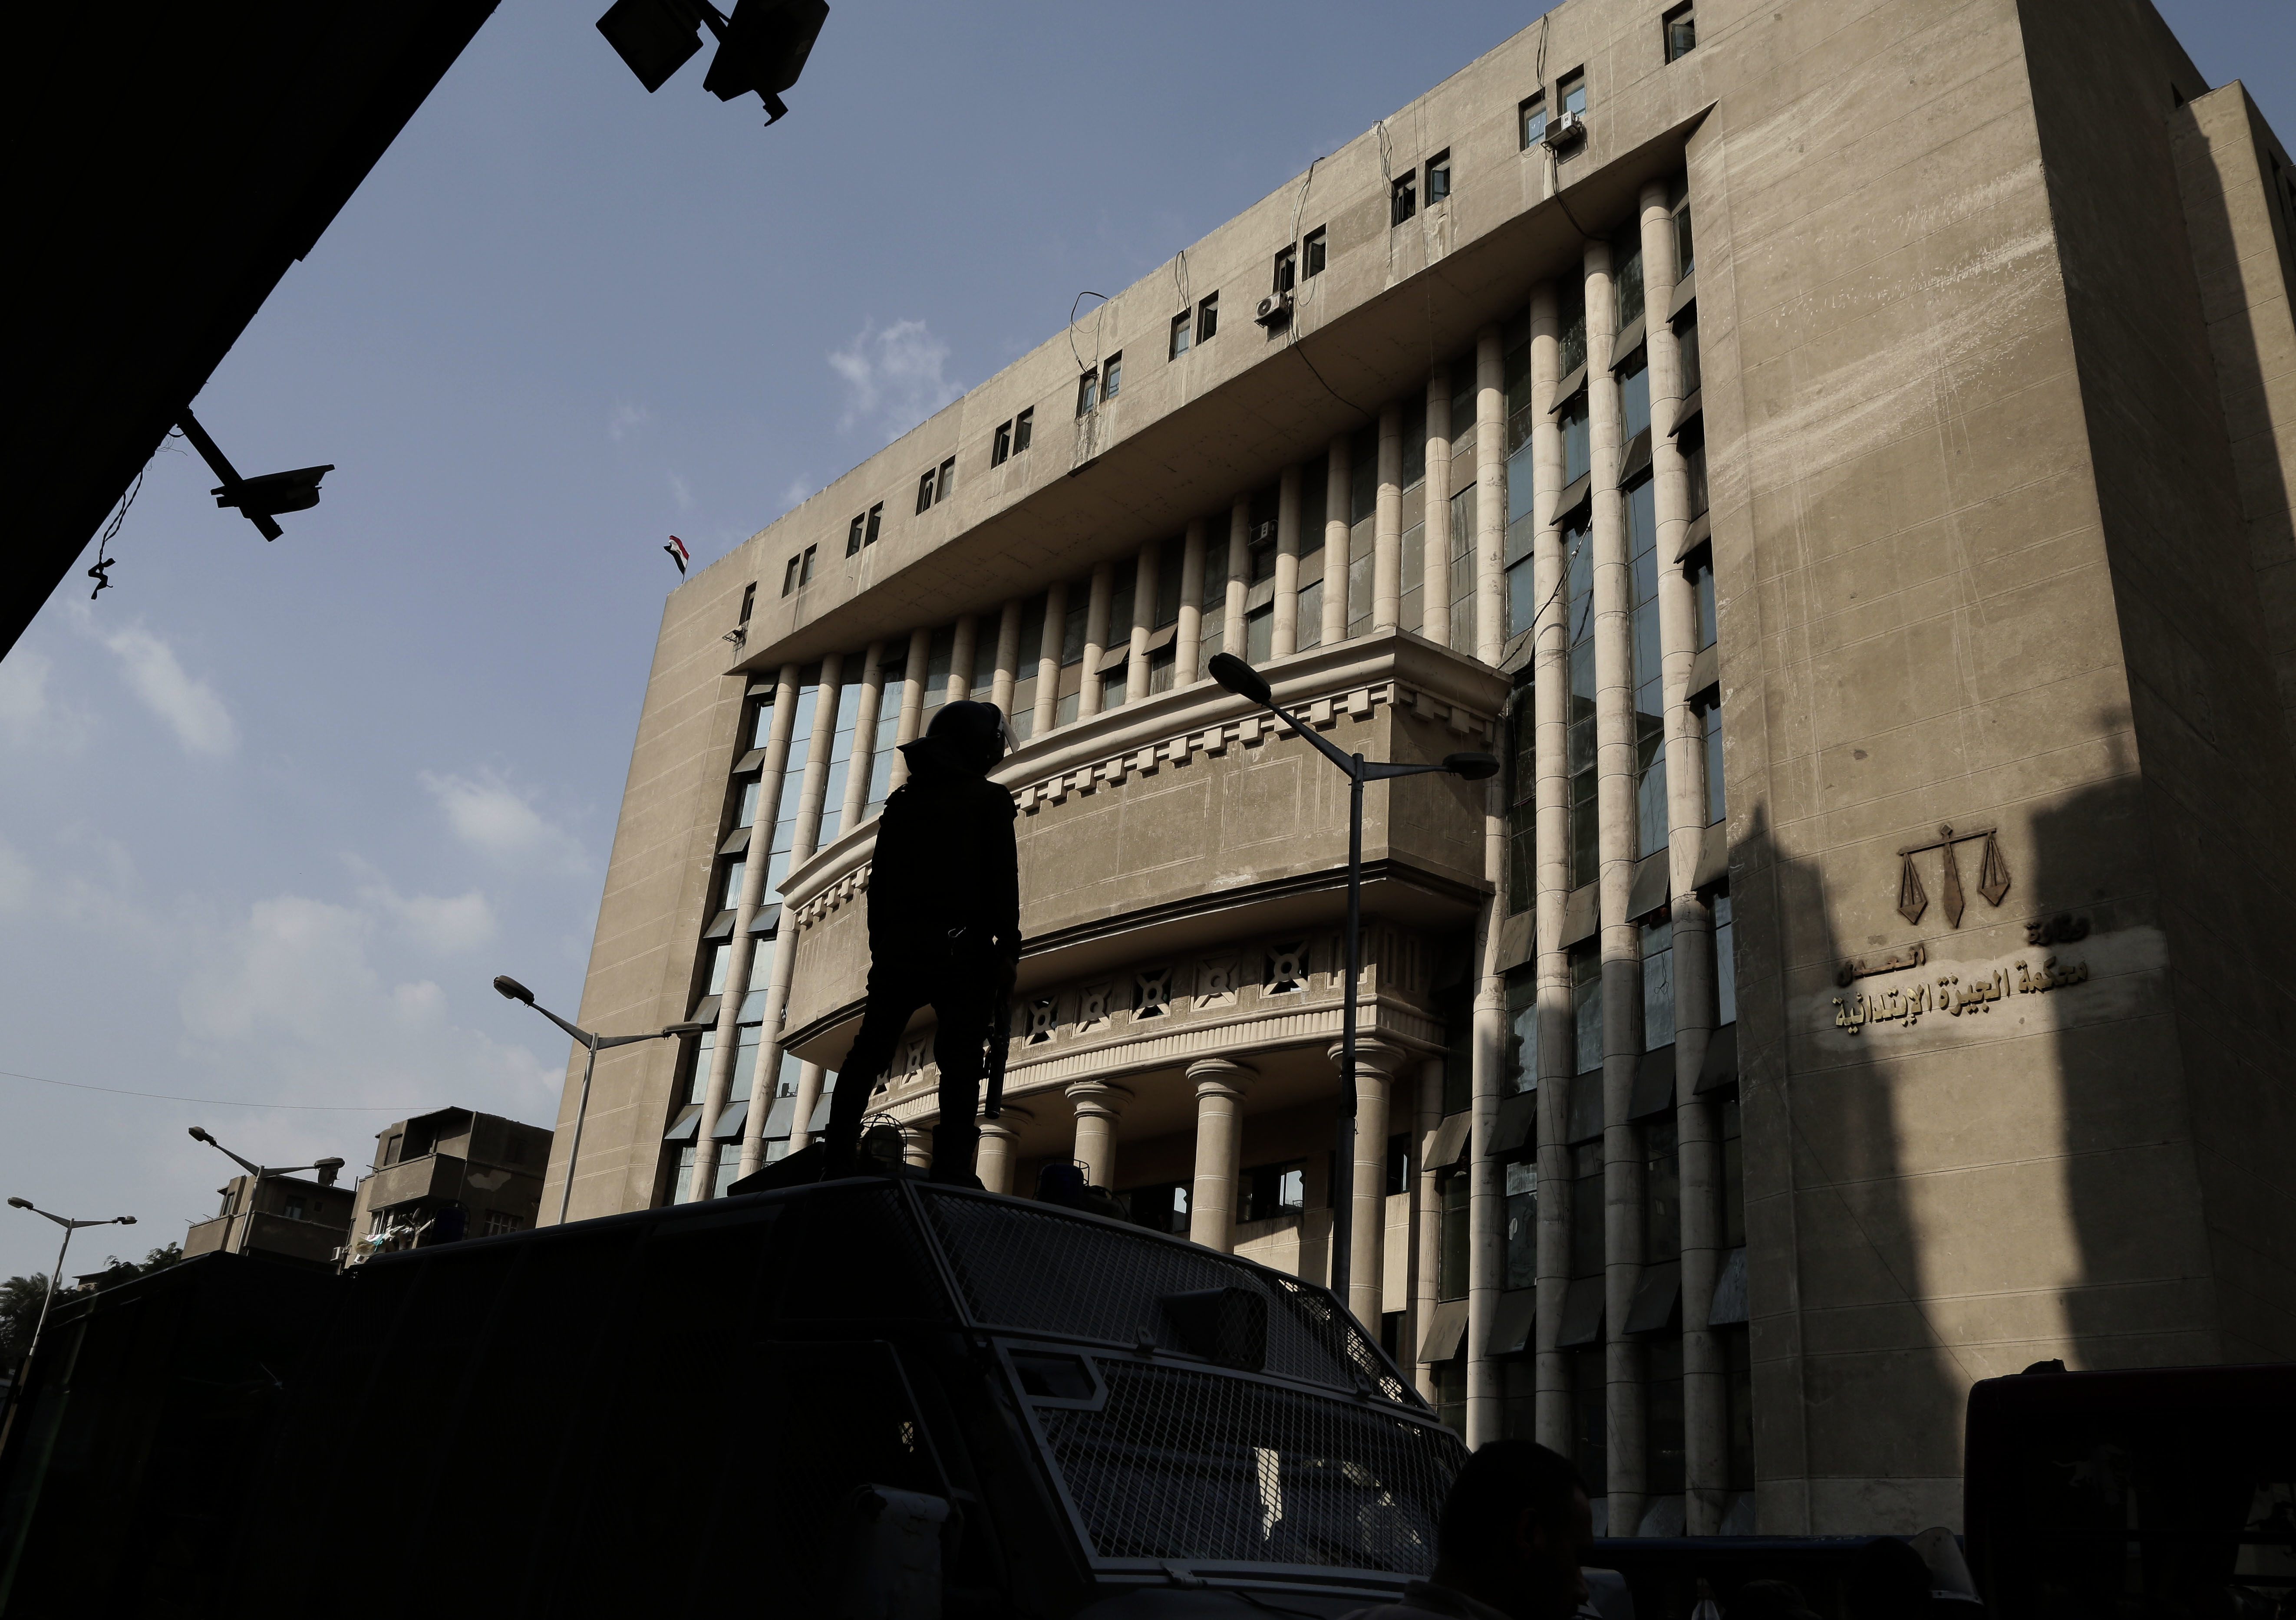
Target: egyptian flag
x=678 y=554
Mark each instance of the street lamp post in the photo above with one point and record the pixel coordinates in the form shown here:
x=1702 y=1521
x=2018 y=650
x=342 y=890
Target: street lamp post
x=511 y=990
x=257 y=1174
x=1245 y=682
x=57 y=1281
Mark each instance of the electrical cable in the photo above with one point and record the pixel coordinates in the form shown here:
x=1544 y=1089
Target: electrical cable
x=1080 y=297
x=218 y=1102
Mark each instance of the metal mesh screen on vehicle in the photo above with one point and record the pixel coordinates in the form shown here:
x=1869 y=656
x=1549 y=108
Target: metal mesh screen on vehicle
x=1213 y=1467
x=1046 y=1271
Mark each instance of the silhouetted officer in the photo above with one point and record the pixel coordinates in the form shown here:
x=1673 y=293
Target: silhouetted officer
x=944 y=927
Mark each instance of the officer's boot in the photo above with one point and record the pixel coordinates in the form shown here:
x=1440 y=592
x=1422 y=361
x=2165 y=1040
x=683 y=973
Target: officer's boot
x=956 y=1141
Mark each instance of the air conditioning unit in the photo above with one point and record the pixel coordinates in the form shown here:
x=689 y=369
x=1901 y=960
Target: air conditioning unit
x=1274 y=309
x=1566 y=128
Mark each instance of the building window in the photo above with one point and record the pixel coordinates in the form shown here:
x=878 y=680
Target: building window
x=1403 y=199
x=1087 y=392
x=1701 y=570
x=1438 y=178
x=1532 y=118
x=924 y=497
x=1586 y=1186
x=789 y=574
x=294 y=1210
x=1591 y=1442
x=749 y=601
x=1642 y=641
x=804 y=566
x=1571 y=91
x=1726 y=965
x=1208 y=318
x=1453 y=1251
x=1001 y=445
x=1275 y=1190
x=1163 y=1208
x=1182 y=325
x=1717 y=809
x=1626 y=277
x=853 y=533
x=1287 y=269
x=1521 y=1179
x=1687 y=339
x=1315 y=251
x=1685 y=259
x=1681 y=27
x=1734 y=1176
x=1578 y=757
x=1523 y=804
x=1587 y=1009
x=1024 y=429
x=1661 y=1194
x=1573 y=421
x=500 y=1221
x=948 y=484
x=1112 y=376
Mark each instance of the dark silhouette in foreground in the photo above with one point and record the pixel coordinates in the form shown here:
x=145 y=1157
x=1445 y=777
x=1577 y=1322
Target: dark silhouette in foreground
x=1514 y=1531
x=944 y=928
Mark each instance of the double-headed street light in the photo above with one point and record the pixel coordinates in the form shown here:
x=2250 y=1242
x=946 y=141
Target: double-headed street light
x=511 y=990
x=1245 y=682
x=57 y=1281
x=257 y=1174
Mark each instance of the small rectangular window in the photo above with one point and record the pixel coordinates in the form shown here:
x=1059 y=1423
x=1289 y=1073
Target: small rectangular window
x=1001 y=447
x=925 y=491
x=1681 y=25
x=1208 y=318
x=853 y=534
x=1024 y=428
x=1403 y=199
x=1112 y=376
x=1532 y=115
x=1287 y=269
x=1182 y=325
x=1087 y=392
x=947 y=480
x=1438 y=178
x=1317 y=254
x=748 y=600
x=1571 y=91
x=876 y=522
x=1685 y=259
x=804 y=567
x=789 y=575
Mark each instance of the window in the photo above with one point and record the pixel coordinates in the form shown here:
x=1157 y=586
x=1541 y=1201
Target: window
x=729 y=889
x=500 y=1221
x=1587 y=1009
x=1182 y=327
x=1087 y=392
x=1643 y=641
x=1591 y=1443
x=1024 y=428
x=1112 y=374
x=1579 y=739
x=804 y=567
x=1587 y=1209
x=1626 y=278
x=1000 y=447
x=853 y=533
x=1274 y=1190
x=1661 y=1194
x=789 y=574
x=749 y=601
x=1685 y=259
x=1438 y=178
x=294 y=1210
x=1701 y=570
x=1686 y=337
x=1453 y=1252
x=1532 y=117
x=1521 y=1179
x=924 y=498
x=1403 y=199
x=1522 y=817
x=1681 y=25
x=1163 y=1208
x=1573 y=421
x=947 y=480
x=1571 y=91
x=1726 y=965
x=1287 y=269
x=747 y=815
x=1657 y=932
x=1316 y=252
x=1208 y=318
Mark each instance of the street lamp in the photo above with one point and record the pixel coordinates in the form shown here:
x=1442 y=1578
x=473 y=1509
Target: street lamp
x=257 y=1174
x=1245 y=682
x=262 y=498
x=511 y=990
x=57 y=1281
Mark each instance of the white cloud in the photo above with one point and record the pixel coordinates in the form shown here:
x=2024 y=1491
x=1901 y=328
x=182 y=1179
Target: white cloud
x=15 y=878
x=190 y=707
x=626 y=420
x=448 y=924
x=681 y=492
x=894 y=379
x=24 y=695
x=800 y=487
x=497 y=819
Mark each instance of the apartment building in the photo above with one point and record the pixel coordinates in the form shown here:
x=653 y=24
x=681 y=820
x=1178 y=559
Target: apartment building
x=1838 y=456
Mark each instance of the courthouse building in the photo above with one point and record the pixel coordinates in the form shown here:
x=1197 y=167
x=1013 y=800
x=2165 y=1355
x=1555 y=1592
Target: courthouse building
x=1837 y=454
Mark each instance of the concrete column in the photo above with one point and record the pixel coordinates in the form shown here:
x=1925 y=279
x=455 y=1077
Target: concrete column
x=1008 y=657
x=1387 y=524
x=916 y=1145
x=1435 y=520
x=1490 y=495
x=1339 y=493
x=1486 y=1196
x=1698 y=1131
x=1144 y=585
x=998 y=1138
x=1096 y=637
x=803 y=839
x=1427 y=1224
x=1212 y=1199
x=913 y=702
x=1551 y=701
x=1614 y=772
x=964 y=648
x=867 y=704
x=1097 y=1105
x=1188 y=638
x=1286 y=638
x=809 y=1076
x=1239 y=574
x=1049 y=659
x=1367 y=1184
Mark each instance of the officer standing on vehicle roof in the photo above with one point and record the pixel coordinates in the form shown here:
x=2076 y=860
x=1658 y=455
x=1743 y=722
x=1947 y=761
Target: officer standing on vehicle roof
x=944 y=928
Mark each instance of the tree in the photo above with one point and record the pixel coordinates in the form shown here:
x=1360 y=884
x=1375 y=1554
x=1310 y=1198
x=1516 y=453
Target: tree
x=117 y=1271
x=20 y=1298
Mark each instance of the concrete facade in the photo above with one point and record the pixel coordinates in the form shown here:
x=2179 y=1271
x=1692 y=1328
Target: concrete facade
x=293 y=1218
x=486 y=1167
x=1846 y=477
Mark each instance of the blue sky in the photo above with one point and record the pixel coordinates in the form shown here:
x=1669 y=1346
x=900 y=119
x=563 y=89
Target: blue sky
x=271 y=816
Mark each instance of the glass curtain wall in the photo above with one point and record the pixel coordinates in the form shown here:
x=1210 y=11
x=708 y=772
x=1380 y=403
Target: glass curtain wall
x=1410 y=610
x=1579 y=573
x=1649 y=717
x=889 y=728
x=1523 y=414
x=1023 y=717
x=1362 y=502
x=777 y=865
x=841 y=750
x=1314 y=480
